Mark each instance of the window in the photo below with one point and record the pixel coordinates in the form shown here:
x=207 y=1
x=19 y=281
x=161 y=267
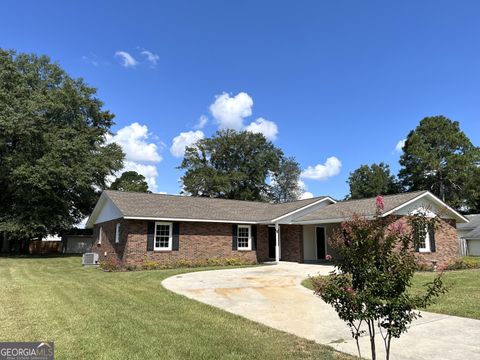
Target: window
x=163 y=236
x=424 y=245
x=117 y=233
x=244 y=241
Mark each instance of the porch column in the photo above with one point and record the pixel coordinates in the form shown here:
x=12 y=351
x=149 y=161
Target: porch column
x=277 y=242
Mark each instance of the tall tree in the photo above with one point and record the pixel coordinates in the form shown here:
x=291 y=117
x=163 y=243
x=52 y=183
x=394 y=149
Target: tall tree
x=285 y=184
x=369 y=181
x=130 y=181
x=231 y=165
x=53 y=152
x=439 y=157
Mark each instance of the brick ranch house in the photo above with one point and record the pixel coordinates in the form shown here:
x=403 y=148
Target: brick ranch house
x=134 y=227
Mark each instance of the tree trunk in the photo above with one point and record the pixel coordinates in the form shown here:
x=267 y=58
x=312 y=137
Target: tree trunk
x=371 y=331
x=387 y=349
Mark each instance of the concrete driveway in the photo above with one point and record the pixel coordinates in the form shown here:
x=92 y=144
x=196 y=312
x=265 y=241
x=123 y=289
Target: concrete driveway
x=272 y=295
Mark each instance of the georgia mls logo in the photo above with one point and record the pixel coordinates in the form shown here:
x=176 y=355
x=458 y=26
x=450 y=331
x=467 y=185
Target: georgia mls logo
x=26 y=351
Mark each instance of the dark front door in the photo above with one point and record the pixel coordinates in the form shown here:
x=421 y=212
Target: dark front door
x=320 y=243
x=271 y=242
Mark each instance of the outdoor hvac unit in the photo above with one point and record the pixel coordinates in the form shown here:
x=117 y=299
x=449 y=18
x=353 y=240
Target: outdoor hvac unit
x=90 y=259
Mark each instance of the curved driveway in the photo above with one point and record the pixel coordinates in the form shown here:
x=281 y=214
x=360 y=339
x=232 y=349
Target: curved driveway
x=272 y=295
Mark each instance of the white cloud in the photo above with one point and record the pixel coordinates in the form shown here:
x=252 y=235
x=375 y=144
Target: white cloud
x=229 y=112
x=151 y=57
x=266 y=127
x=202 y=121
x=127 y=59
x=400 y=145
x=134 y=140
x=139 y=149
x=180 y=142
x=306 y=195
x=323 y=171
x=149 y=171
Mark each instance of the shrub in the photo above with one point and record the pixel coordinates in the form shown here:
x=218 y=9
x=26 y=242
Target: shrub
x=467 y=262
x=110 y=265
x=150 y=265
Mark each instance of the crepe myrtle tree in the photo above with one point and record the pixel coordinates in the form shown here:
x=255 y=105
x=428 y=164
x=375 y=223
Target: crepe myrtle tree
x=375 y=262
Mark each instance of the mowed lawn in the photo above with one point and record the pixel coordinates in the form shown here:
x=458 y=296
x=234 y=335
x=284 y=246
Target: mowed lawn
x=462 y=298
x=91 y=314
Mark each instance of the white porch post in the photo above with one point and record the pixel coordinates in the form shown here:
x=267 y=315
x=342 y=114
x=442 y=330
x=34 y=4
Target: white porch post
x=277 y=242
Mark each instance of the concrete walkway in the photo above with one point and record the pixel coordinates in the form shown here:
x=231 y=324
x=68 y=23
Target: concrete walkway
x=272 y=295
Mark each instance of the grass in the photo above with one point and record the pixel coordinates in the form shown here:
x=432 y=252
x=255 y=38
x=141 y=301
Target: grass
x=91 y=314
x=462 y=299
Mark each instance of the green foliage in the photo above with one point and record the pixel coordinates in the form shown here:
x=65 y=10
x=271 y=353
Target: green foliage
x=53 y=151
x=369 y=181
x=439 y=157
x=149 y=264
x=285 y=184
x=376 y=265
x=130 y=181
x=231 y=165
x=467 y=262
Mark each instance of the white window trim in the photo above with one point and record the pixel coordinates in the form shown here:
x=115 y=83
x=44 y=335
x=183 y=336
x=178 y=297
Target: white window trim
x=249 y=247
x=427 y=247
x=170 y=237
x=117 y=233
x=100 y=235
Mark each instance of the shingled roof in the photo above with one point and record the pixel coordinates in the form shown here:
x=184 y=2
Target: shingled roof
x=362 y=207
x=143 y=205
x=473 y=225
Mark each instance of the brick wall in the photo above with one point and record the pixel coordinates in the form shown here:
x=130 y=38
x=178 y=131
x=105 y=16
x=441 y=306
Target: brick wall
x=291 y=237
x=197 y=241
x=446 y=243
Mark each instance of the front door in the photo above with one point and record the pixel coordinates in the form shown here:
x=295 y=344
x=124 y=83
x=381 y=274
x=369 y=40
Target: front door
x=321 y=243
x=271 y=242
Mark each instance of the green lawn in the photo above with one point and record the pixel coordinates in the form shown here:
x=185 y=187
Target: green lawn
x=91 y=314
x=462 y=299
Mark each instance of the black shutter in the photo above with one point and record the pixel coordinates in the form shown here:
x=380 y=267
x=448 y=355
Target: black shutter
x=416 y=237
x=234 y=236
x=431 y=231
x=254 y=237
x=150 y=235
x=176 y=236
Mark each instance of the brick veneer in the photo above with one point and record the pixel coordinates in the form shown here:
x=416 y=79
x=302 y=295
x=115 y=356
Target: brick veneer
x=198 y=241
x=446 y=244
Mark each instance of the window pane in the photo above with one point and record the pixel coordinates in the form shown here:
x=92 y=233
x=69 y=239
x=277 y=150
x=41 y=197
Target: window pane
x=243 y=237
x=162 y=236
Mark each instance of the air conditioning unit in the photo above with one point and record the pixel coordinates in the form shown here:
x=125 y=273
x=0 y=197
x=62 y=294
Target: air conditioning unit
x=90 y=259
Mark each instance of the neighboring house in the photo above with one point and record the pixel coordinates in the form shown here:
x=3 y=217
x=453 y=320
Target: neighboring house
x=134 y=227
x=469 y=235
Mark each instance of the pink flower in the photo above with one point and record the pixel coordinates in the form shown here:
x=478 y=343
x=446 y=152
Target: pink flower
x=349 y=289
x=379 y=203
x=398 y=227
x=328 y=257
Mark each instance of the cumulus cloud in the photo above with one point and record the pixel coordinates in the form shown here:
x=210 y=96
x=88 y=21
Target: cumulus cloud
x=149 y=171
x=180 y=142
x=323 y=171
x=151 y=57
x=306 y=195
x=202 y=121
x=126 y=59
x=140 y=152
x=135 y=142
x=303 y=187
x=400 y=145
x=266 y=127
x=229 y=112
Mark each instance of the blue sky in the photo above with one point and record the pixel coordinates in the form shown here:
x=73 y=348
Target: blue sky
x=324 y=79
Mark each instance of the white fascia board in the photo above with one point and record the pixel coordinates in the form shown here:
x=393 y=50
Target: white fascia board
x=303 y=208
x=433 y=198
x=190 y=220
x=327 y=221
